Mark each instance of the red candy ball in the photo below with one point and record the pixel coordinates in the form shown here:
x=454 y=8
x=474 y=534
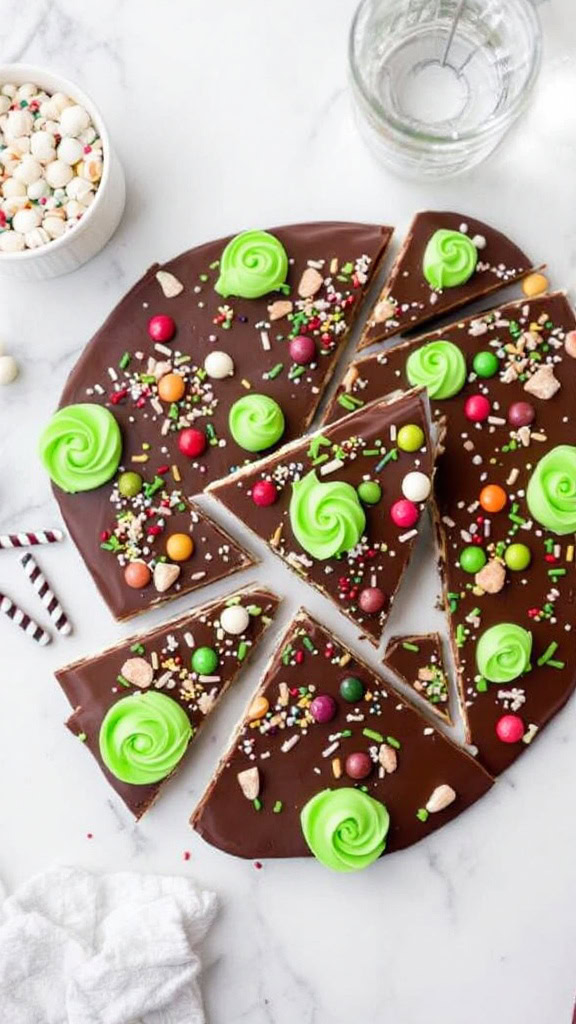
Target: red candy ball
x=192 y=442
x=302 y=349
x=323 y=708
x=161 y=327
x=372 y=600
x=358 y=766
x=477 y=408
x=521 y=414
x=264 y=493
x=510 y=728
x=404 y=514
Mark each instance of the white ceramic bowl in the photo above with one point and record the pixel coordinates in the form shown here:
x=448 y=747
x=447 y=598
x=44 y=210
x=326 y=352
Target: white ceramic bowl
x=102 y=217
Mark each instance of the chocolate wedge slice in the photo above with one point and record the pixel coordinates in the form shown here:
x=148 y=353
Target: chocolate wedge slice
x=447 y=260
x=330 y=760
x=418 y=660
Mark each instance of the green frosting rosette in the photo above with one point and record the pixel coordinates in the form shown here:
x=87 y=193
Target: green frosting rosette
x=256 y=422
x=449 y=259
x=345 y=828
x=503 y=652
x=252 y=264
x=81 y=447
x=143 y=737
x=326 y=518
x=551 y=492
x=439 y=367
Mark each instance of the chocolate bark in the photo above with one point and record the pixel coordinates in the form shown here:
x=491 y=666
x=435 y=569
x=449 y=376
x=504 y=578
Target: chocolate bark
x=363 y=447
x=296 y=756
x=527 y=337
x=94 y=685
x=418 y=660
x=408 y=301
x=121 y=368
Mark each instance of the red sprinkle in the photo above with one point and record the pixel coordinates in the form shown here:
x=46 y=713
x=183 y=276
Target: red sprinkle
x=187 y=855
x=258 y=865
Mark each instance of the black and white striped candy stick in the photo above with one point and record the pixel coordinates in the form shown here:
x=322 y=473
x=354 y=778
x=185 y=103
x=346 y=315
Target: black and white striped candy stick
x=27 y=540
x=38 y=580
x=23 y=620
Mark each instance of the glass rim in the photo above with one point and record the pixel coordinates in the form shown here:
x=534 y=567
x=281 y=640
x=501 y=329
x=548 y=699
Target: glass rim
x=492 y=123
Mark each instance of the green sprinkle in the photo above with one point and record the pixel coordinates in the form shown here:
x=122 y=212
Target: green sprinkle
x=393 y=742
x=253 y=609
x=371 y=451
x=180 y=360
x=257 y=805
x=278 y=807
x=550 y=650
x=173 y=411
x=422 y=814
x=181 y=507
x=390 y=456
x=138 y=649
x=274 y=372
x=556 y=572
x=316 y=444
x=481 y=685
x=242 y=650
x=350 y=402
x=410 y=647
x=460 y=635
x=204 y=277
x=516 y=519
x=122 y=680
x=371 y=734
x=557 y=664
x=156 y=485
x=346 y=733
x=308 y=643
x=125 y=361
x=82 y=737
x=210 y=431
x=147 y=378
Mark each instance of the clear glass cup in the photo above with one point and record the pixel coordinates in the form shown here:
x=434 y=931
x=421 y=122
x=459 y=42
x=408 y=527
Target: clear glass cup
x=438 y=83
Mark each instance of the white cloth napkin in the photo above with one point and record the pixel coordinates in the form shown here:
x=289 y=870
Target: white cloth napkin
x=77 y=948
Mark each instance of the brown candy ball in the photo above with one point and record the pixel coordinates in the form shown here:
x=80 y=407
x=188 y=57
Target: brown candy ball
x=137 y=575
x=358 y=765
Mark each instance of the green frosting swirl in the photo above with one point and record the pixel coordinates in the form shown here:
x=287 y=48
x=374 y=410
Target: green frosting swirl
x=345 y=828
x=439 y=367
x=503 y=652
x=256 y=422
x=81 y=447
x=143 y=737
x=449 y=259
x=326 y=518
x=551 y=492
x=252 y=264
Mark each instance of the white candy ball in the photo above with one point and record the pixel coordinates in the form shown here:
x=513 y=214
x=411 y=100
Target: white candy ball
x=74 y=120
x=219 y=365
x=42 y=147
x=70 y=151
x=235 y=619
x=78 y=189
x=11 y=241
x=73 y=209
x=38 y=190
x=9 y=89
x=8 y=369
x=26 y=91
x=28 y=170
x=12 y=187
x=61 y=101
x=34 y=239
x=11 y=205
x=26 y=220
x=52 y=127
x=58 y=174
x=416 y=486
x=20 y=122
x=4 y=104
x=54 y=226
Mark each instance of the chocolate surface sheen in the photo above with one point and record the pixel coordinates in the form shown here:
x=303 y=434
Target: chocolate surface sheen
x=418 y=660
x=138 y=377
x=408 y=300
x=292 y=756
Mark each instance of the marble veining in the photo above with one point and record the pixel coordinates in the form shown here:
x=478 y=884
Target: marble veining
x=226 y=116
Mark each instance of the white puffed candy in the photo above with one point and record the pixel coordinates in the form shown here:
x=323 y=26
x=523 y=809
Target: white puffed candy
x=58 y=174
x=27 y=220
x=54 y=226
x=42 y=147
x=28 y=170
x=61 y=101
x=9 y=89
x=20 y=122
x=70 y=151
x=78 y=189
x=26 y=91
x=219 y=365
x=11 y=241
x=21 y=146
x=4 y=104
x=90 y=170
x=416 y=486
x=235 y=619
x=73 y=209
x=87 y=136
x=49 y=110
x=8 y=368
x=34 y=239
x=74 y=120
x=12 y=187
x=52 y=127
x=38 y=190
x=11 y=205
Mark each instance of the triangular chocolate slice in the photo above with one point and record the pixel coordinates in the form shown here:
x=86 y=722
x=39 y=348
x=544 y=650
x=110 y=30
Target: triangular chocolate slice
x=446 y=261
x=139 y=705
x=208 y=361
x=342 y=507
x=504 y=381
x=330 y=760
x=418 y=660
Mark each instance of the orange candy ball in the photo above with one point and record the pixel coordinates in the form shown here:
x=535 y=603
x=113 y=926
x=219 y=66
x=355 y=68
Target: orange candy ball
x=179 y=547
x=493 y=498
x=137 y=575
x=171 y=387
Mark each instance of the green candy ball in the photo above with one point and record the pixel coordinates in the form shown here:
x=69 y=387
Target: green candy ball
x=472 y=559
x=129 y=484
x=410 y=438
x=369 y=492
x=485 y=364
x=204 y=660
x=517 y=557
x=351 y=689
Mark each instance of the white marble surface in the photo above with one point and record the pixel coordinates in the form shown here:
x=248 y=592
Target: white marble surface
x=229 y=115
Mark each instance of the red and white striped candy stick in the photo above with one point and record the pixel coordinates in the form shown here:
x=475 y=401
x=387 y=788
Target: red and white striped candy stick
x=38 y=580
x=23 y=620
x=26 y=540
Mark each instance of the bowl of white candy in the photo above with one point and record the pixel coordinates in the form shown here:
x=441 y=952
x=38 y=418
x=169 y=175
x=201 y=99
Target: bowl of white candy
x=62 y=190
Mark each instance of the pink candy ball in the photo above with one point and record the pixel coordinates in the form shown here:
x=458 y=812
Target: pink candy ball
x=521 y=414
x=302 y=349
x=161 y=327
x=358 y=766
x=477 y=408
x=372 y=600
x=404 y=514
x=264 y=493
x=323 y=708
x=510 y=728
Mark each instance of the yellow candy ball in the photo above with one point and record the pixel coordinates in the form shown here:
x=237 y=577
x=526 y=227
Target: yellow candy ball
x=534 y=284
x=179 y=547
